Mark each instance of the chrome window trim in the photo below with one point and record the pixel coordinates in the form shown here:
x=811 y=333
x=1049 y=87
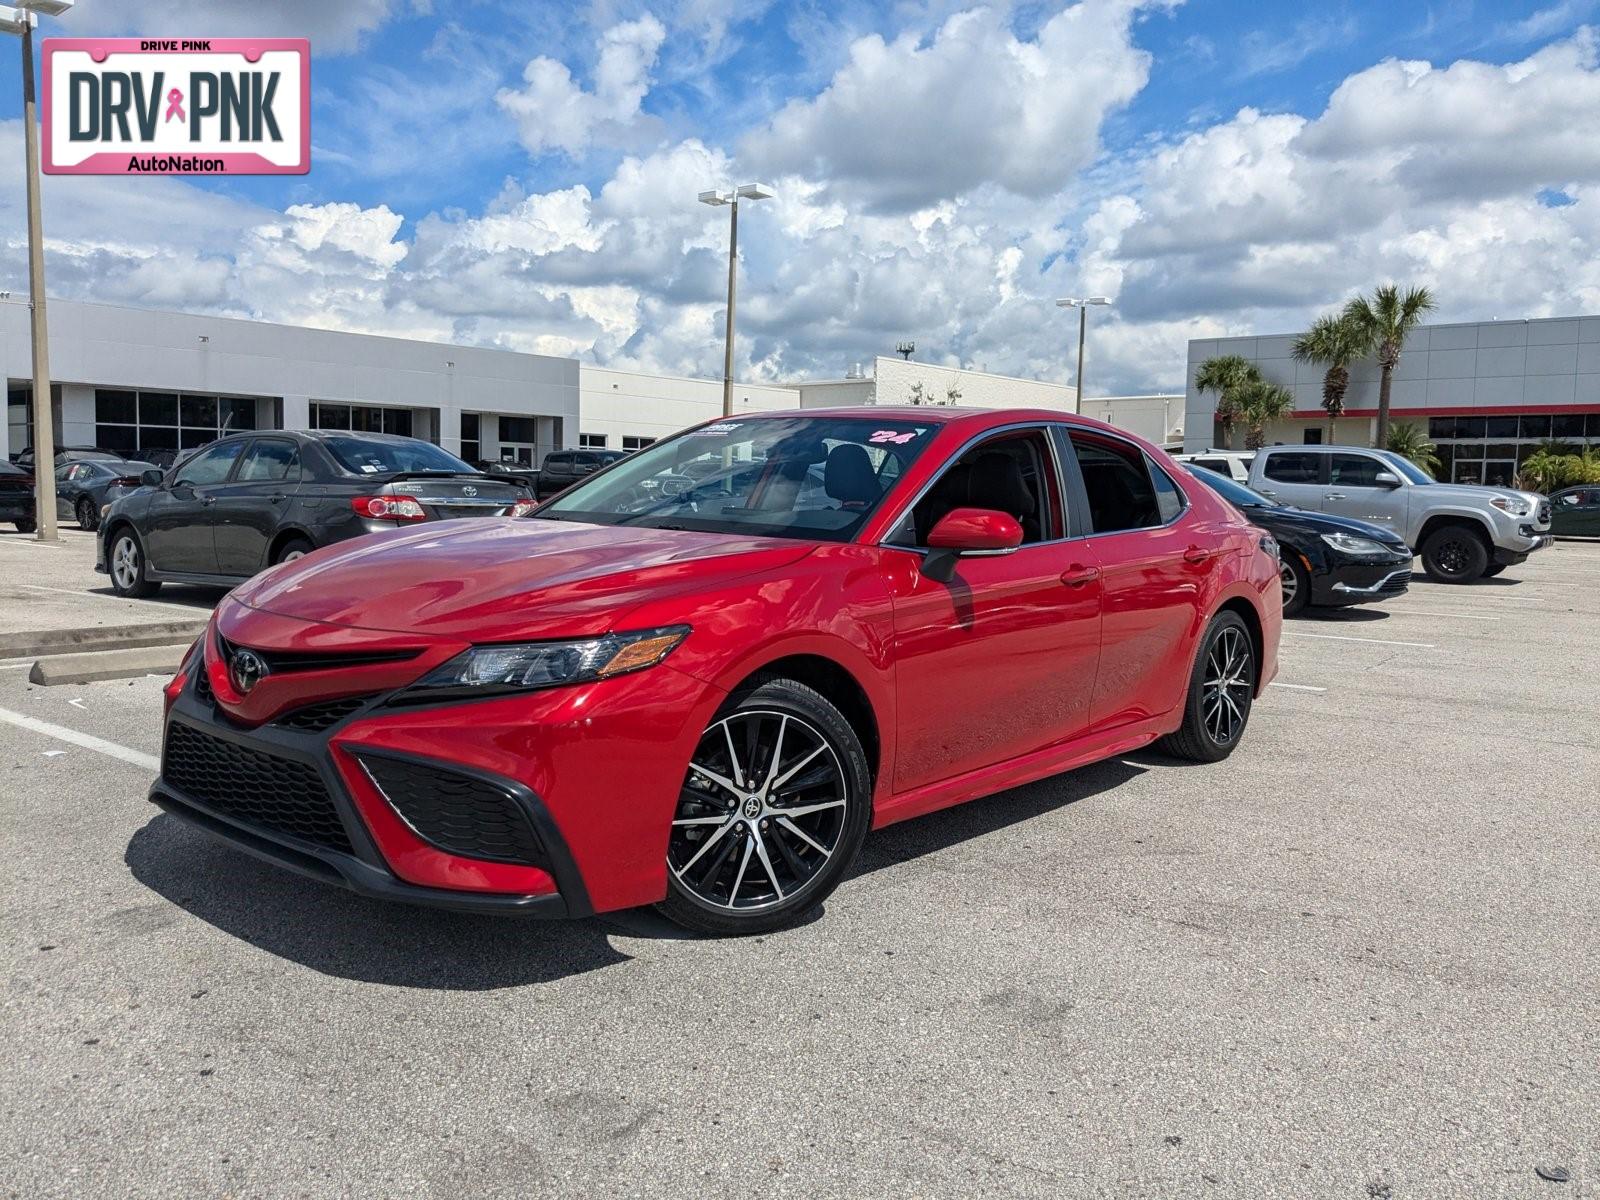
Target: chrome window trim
x=954 y=458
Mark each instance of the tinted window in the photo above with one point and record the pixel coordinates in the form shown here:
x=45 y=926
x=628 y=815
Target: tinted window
x=1012 y=473
x=270 y=461
x=1354 y=470
x=1219 y=465
x=558 y=461
x=210 y=466
x=1169 y=500
x=1293 y=467
x=1121 y=495
x=756 y=475
x=369 y=456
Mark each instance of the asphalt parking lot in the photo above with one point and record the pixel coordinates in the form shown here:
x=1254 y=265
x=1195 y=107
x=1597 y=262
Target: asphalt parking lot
x=1358 y=958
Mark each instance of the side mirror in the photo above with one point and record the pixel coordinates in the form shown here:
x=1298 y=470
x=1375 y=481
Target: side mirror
x=968 y=531
x=151 y=478
x=1386 y=479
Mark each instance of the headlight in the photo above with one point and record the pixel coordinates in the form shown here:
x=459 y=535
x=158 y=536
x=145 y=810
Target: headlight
x=1514 y=505
x=1359 y=547
x=532 y=666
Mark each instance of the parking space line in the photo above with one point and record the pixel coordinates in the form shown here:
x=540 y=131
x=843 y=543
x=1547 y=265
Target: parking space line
x=43 y=587
x=1298 y=687
x=1334 y=637
x=86 y=741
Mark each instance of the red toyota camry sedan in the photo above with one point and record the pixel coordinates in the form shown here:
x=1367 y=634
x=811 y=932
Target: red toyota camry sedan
x=700 y=677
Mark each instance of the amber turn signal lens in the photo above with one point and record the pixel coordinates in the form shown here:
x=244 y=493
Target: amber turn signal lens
x=644 y=653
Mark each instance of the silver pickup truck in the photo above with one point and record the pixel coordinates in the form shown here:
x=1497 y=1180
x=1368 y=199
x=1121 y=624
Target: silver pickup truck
x=1463 y=532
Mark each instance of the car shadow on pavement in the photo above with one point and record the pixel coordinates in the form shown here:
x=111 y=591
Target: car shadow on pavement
x=193 y=596
x=1346 y=616
x=939 y=831
x=352 y=937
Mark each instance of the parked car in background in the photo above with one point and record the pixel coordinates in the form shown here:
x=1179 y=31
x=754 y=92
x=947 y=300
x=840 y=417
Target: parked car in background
x=513 y=472
x=250 y=500
x=1462 y=531
x=563 y=468
x=704 y=698
x=1229 y=463
x=161 y=459
x=16 y=497
x=67 y=454
x=1575 y=511
x=83 y=487
x=1325 y=561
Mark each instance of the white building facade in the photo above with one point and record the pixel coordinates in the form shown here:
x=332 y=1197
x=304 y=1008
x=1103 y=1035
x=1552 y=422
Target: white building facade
x=901 y=381
x=1486 y=393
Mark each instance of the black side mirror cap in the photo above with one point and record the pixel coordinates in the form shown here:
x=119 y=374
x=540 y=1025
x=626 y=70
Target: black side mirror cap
x=151 y=478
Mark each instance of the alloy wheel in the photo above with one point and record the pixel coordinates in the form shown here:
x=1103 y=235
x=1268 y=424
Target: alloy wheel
x=125 y=562
x=1290 y=582
x=761 y=812
x=1226 y=689
x=86 y=514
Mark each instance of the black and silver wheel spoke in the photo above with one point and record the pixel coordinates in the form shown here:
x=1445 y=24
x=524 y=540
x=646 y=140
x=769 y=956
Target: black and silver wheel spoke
x=1289 y=581
x=1225 y=689
x=761 y=811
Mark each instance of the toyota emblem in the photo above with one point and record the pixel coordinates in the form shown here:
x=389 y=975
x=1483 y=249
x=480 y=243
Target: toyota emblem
x=245 y=670
x=469 y=490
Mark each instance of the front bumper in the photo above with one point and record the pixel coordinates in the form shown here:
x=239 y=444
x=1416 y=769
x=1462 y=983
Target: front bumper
x=1361 y=581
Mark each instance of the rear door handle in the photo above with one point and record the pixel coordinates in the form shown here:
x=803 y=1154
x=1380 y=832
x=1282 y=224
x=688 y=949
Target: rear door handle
x=1077 y=575
x=278 y=499
x=1198 y=554
x=1334 y=496
x=208 y=500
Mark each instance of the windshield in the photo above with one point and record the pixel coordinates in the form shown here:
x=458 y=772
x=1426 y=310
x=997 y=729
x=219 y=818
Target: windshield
x=1406 y=467
x=369 y=456
x=817 y=478
x=1235 y=493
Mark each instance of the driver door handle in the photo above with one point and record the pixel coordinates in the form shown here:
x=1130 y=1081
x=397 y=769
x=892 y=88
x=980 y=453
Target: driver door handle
x=1077 y=575
x=208 y=499
x=1334 y=496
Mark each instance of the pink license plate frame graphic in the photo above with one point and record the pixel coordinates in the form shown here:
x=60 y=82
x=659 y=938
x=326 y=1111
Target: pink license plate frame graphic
x=233 y=162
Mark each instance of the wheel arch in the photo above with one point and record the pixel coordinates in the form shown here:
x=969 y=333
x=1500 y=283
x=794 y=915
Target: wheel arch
x=289 y=533
x=835 y=682
x=1444 y=520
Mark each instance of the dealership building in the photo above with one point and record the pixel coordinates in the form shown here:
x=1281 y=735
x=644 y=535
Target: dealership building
x=1487 y=394
x=137 y=380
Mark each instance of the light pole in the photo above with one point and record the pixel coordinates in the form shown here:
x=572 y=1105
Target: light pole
x=20 y=19
x=1082 y=305
x=748 y=191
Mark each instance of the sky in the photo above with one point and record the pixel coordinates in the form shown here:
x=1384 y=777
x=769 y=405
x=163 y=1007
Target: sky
x=524 y=175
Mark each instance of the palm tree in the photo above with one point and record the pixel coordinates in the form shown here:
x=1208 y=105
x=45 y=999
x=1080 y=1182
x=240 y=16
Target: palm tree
x=1384 y=321
x=1225 y=375
x=1407 y=440
x=1260 y=402
x=1333 y=342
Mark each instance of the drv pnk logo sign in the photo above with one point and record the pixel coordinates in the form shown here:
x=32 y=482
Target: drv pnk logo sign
x=169 y=106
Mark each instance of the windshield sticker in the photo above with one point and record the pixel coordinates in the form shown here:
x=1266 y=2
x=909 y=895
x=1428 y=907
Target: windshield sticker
x=720 y=427
x=370 y=469
x=886 y=436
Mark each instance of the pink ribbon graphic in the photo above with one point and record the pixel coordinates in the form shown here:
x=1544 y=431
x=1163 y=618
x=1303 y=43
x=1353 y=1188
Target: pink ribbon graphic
x=175 y=106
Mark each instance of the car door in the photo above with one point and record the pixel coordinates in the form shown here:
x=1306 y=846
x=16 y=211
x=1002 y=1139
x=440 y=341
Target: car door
x=251 y=506
x=67 y=475
x=1154 y=569
x=1000 y=661
x=1293 y=477
x=178 y=526
x=1354 y=491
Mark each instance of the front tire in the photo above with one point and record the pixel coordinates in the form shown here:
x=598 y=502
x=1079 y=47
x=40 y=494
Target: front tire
x=27 y=525
x=1455 y=554
x=1296 y=582
x=771 y=814
x=127 y=567
x=1221 y=688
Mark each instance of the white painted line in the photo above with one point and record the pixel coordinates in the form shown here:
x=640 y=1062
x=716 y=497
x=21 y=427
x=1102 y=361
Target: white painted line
x=84 y=592
x=86 y=740
x=1298 y=687
x=1333 y=637
x=1422 y=612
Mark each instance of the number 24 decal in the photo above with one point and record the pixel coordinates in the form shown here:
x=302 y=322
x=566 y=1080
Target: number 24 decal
x=888 y=435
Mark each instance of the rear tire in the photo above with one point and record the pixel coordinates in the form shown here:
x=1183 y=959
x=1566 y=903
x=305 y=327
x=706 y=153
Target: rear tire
x=766 y=852
x=125 y=562
x=27 y=525
x=292 y=549
x=1455 y=554
x=1216 y=708
x=88 y=515
x=1296 y=582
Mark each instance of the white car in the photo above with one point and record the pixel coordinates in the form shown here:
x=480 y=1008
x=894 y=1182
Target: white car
x=1233 y=464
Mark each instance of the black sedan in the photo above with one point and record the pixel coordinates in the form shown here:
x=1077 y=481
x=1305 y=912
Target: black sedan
x=16 y=497
x=82 y=487
x=1575 y=511
x=251 y=500
x=1325 y=561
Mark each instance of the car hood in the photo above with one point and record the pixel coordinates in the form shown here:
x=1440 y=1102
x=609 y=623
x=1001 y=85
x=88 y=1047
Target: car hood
x=504 y=579
x=1474 y=493
x=1314 y=522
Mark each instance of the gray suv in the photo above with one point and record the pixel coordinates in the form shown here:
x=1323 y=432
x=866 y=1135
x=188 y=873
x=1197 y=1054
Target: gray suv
x=1462 y=531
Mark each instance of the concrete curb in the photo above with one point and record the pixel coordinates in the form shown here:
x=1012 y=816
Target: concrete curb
x=107 y=664
x=103 y=637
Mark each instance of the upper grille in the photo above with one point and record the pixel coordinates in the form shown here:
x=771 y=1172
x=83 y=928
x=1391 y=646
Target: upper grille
x=252 y=786
x=315 y=718
x=279 y=661
x=202 y=684
x=457 y=813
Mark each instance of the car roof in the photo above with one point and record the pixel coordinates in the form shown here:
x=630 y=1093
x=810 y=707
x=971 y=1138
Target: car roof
x=945 y=414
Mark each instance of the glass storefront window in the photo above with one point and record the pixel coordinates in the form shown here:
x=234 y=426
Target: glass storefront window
x=1500 y=427
x=199 y=412
x=158 y=408
x=116 y=408
x=1567 y=427
x=1536 y=427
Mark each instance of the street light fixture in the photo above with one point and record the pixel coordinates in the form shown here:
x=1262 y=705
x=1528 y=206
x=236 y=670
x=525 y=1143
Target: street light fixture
x=20 y=19
x=747 y=191
x=1082 y=305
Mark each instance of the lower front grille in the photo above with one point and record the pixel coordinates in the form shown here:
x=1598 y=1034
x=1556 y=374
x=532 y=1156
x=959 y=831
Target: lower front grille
x=249 y=785
x=317 y=718
x=459 y=814
x=1395 y=584
x=1544 y=512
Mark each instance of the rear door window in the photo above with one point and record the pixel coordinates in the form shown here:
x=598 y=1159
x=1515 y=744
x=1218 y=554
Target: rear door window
x=270 y=461
x=1293 y=467
x=1121 y=490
